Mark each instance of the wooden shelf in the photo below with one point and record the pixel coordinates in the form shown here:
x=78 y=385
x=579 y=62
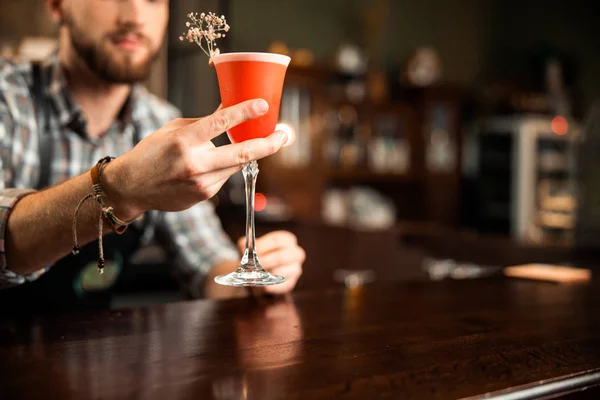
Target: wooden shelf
x=318 y=72
x=344 y=174
x=365 y=175
x=417 y=194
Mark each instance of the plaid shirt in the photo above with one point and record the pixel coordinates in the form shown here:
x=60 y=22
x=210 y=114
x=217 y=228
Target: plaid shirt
x=194 y=236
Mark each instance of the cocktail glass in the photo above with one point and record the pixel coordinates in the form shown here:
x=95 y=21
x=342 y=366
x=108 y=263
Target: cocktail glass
x=245 y=76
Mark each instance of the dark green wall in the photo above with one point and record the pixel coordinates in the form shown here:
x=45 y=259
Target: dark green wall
x=476 y=39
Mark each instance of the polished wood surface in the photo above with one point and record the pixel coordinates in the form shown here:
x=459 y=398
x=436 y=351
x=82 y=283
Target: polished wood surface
x=332 y=249
x=423 y=340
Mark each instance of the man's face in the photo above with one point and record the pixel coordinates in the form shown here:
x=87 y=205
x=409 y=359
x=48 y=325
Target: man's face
x=117 y=39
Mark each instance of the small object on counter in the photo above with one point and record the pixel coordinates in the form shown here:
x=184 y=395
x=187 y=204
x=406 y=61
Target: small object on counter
x=354 y=279
x=551 y=273
x=440 y=269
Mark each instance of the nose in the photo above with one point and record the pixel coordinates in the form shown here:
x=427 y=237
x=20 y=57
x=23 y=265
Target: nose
x=132 y=13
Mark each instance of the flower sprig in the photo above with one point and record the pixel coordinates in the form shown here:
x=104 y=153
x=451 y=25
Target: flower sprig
x=205 y=29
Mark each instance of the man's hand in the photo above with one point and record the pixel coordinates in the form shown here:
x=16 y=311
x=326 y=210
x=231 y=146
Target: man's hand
x=280 y=254
x=178 y=166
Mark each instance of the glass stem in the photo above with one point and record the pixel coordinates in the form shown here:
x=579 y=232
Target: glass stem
x=250 y=259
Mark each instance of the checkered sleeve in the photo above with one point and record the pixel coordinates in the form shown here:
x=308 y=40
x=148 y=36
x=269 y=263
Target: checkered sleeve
x=8 y=198
x=198 y=243
x=16 y=121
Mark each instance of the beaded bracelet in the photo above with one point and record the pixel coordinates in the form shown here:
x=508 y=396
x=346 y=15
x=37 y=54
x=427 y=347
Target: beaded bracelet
x=118 y=226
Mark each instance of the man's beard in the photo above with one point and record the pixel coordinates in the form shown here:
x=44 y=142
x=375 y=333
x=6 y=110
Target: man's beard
x=103 y=61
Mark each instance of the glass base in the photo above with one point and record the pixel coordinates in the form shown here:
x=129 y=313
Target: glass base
x=249 y=278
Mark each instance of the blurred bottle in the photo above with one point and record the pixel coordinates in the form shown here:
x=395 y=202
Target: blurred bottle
x=560 y=103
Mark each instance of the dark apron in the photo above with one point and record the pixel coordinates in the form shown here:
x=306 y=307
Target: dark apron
x=73 y=283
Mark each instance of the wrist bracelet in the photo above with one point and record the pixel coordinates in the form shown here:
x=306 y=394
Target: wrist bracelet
x=118 y=226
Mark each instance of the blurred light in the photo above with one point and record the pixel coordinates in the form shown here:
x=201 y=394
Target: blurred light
x=260 y=202
x=559 y=125
x=288 y=129
x=347 y=115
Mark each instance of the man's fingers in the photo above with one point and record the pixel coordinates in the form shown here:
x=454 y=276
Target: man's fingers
x=291 y=273
x=226 y=118
x=239 y=154
x=179 y=123
x=286 y=256
x=214 y=189
x=213 y=181
x=271 y=241
x=276 y=240
x=282 y=288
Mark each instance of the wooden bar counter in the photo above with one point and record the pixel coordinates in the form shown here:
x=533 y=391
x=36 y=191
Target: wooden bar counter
x=495 y=338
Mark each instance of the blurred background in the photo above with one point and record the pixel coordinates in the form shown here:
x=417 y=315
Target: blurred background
x=435 y=139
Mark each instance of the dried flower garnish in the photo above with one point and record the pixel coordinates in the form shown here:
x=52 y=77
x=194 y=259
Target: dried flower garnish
x=205 y=29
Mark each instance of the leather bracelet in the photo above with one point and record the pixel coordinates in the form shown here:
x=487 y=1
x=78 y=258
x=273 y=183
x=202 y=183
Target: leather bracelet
x=118 y=226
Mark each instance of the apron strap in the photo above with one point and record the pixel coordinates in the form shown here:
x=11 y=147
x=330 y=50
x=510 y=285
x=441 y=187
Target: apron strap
x=42 y=116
